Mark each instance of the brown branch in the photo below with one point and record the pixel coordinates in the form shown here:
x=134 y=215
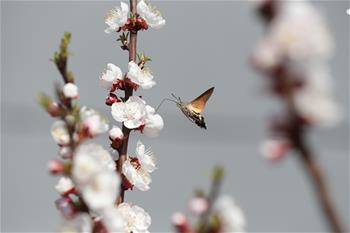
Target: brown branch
x=128 y=92
x=296 y=135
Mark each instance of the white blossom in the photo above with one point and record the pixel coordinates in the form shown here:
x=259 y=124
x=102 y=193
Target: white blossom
x=149 y=13
x=93 y=121
x=137 y=176
x=137 y=169
x=101 y=190
x=60 y=132
x=145 y=157
x=131 y=112
x=137 y=219
x=64 y=185
x=113 y=220
x=70 y=90
x=110 y=76
x=81 y=223
x=89 y=160
x=116 y=133
x=142 y=77
x=153 y=123
x=230 y=215
x=117 y=17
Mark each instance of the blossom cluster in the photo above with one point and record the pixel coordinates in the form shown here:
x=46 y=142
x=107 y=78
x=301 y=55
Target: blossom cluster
x=215 y=214
x=294 y=54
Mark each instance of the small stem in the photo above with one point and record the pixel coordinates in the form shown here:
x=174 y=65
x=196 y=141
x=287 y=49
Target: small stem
x=211 y=198
x=128 y=92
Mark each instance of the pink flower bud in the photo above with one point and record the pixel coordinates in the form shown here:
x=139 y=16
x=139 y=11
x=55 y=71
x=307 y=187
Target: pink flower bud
x=111 y=99
x=198 y=205
x=56 y=166
x=66 y=207
x=179 y=220
x=274 y=149
x=53 y=109
x=116 y=136
x=116 y=133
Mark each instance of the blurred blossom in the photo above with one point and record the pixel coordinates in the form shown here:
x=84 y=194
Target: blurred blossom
x=65 y=152
x=198 y=205
x=60 y=133
x=142 y=77
x=56 y=166
x=117 y=17
x=89 y=160
x=93 y=121
x=315 y=100
x=274 y=149
x=137 y=169
x=137 y=219
x=101 y=190
x=149 y=13
x=300 y=33
x=266 y=56
x=229 y=214
x=113 y=220
x=66 y=207
x=64 y=185
x=81 y=223
x=70 y=90
x=111 y=76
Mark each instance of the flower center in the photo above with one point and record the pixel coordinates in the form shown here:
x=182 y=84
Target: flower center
x=135 y=163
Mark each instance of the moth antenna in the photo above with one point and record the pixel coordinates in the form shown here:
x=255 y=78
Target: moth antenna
x=163 y=102
x=177 y=98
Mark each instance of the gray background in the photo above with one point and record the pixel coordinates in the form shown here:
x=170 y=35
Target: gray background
x=203 y=44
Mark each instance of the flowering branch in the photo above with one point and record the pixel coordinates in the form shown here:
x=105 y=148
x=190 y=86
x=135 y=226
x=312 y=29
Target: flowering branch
x=130 y=110
x=294 y=56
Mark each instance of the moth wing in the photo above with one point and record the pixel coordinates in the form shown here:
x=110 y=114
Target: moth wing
x=198 y=104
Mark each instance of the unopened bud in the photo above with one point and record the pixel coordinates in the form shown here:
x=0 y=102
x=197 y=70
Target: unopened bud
x=179 y=220
x=111 y=99
x=56 y=166
x=198 y=205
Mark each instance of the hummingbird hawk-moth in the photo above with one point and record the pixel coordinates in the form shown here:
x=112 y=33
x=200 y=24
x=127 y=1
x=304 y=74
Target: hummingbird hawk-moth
x=193 y=110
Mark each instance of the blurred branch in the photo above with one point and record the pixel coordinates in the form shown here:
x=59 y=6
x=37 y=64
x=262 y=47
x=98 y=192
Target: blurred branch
x=297 y=137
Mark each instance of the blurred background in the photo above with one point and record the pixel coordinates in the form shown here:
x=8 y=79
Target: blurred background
x=204 y=44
